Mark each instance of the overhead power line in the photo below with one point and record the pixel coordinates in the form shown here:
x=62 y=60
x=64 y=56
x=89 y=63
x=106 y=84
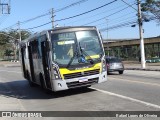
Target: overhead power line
x=35 y=18
x=124 y=24
x=129 y=5
x=87 y=11
x=58 y=10
x=71 y=5
x=75 y=15
x=107 y=16
x=48 y=13
x=40 y=25
x=119 y=25
x=114 y=21
x=97 y=14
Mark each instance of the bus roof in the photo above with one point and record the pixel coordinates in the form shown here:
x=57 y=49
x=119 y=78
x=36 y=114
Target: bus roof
x=59 y=29
x=70 y=27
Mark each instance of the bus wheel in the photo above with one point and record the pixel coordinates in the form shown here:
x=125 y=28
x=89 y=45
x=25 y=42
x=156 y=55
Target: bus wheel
x=31 y=84
x=42 y=82
x=43 y=87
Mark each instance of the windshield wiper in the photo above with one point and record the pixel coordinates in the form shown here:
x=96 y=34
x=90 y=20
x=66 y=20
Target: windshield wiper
x=71 y=60
x=85 y=53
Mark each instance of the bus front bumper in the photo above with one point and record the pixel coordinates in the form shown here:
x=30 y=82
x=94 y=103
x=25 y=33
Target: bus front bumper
x=59 y=85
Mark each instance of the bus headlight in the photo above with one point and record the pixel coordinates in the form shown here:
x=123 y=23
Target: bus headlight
x=56 y=73
x=104 y=66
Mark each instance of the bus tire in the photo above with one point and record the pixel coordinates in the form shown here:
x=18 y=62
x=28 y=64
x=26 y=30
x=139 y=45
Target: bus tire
x=43 y=87
x=42 y=82
x=31 y=84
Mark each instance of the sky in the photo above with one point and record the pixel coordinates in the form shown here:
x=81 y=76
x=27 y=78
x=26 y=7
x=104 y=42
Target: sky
x=113 y=14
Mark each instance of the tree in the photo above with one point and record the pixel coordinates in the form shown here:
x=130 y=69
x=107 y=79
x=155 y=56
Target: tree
x=151 y=10
x=15 y=34
x=4 y=43
x=8 y=52
x=3 y=38
x=24 y=34
x=11 y=38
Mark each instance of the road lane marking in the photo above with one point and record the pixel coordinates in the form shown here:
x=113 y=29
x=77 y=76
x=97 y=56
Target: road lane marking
x=142 y=73
x=9 y=71
x=147 y=83
x=127 y=98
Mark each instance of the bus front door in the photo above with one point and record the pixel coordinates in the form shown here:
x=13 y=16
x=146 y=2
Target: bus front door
x=46 y=64
x=23 y=61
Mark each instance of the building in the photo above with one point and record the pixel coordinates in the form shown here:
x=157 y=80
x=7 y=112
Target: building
x=129 y=49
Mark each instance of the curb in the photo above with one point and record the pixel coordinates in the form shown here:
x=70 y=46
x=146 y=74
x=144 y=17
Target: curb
x=147 y=69
x=11 y=65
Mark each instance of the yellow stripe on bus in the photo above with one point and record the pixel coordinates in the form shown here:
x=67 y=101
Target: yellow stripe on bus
x=93 y=56
x=67 y=71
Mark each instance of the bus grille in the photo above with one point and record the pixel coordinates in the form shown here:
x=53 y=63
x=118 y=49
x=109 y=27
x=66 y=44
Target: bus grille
x=81 y=74
x=77 y=84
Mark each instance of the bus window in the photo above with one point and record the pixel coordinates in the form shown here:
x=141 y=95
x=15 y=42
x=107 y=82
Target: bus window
x=89 y=42
x=35 y=51
x=63 y=47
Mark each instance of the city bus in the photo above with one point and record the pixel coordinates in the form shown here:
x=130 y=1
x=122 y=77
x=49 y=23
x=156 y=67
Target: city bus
x=64 y=58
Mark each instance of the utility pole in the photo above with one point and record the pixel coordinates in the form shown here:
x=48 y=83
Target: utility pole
x=143 y=64
x=107 y=38
x=4 y=8
x=0 y=5
x=19 y=40
x=52 y=12
x=19 y=31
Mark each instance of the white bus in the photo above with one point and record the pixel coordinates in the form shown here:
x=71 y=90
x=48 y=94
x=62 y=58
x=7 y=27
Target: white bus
x=64 y=58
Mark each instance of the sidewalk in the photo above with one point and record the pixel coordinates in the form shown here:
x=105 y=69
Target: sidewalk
x=137 y=66
x=9 y=64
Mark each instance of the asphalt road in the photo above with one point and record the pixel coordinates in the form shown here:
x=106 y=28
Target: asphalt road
x=132 y=91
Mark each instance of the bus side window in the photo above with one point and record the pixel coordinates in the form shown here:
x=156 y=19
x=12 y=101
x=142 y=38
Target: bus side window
x=40 y=39
x=34 y=46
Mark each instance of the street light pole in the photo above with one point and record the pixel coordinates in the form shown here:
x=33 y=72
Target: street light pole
x=143 y=65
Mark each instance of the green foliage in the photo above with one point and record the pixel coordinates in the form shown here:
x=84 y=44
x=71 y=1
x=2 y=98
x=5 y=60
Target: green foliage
x=3 y=38
x=8 y=41
x=12 y=36
x=24 y=34
x=151 y=10
x=8 y=52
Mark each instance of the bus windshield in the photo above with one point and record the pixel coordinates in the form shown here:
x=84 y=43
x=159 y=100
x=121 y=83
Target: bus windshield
x=70 y=46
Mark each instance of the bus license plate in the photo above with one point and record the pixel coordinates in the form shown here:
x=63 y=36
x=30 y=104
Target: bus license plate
x=83 y=80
